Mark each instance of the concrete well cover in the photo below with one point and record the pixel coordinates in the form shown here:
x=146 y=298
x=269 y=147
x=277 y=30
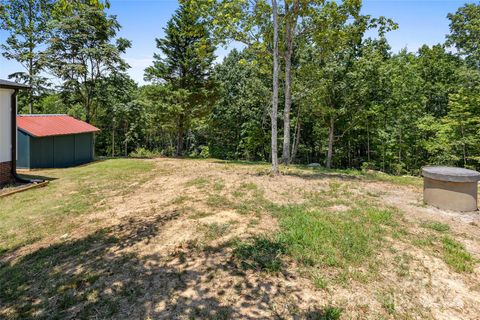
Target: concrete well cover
x=450 y=174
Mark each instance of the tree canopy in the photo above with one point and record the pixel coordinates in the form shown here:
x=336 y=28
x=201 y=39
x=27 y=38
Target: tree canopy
x=323 y=67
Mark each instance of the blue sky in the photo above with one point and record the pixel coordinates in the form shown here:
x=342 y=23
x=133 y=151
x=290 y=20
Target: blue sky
x=420 y=22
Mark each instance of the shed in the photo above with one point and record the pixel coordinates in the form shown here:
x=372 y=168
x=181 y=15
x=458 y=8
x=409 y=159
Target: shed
x=8 y=112
x=54 y=141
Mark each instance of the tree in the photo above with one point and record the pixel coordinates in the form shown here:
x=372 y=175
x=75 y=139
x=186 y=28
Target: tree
x=318 y=17
x=437 y=67
x=120 y=116
x=81 y=54
x=274 y=115
x=291 y=17
x=27 y=24
x=184 y=69
x=465 y=32
x=238 y=125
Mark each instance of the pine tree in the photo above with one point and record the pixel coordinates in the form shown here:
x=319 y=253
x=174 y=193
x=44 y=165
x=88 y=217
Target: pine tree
x=184 y=67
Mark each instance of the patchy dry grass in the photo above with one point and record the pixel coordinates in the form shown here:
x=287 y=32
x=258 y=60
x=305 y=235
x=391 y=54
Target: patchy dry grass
x=208 y=239
x=30 y=216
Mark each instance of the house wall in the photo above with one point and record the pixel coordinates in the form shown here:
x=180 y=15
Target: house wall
x=5 y=125
x=5 y=172
x=5 y=136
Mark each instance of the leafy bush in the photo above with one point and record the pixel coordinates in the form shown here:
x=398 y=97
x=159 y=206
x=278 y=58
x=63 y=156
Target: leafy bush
x=204 y=152
x=144 y=153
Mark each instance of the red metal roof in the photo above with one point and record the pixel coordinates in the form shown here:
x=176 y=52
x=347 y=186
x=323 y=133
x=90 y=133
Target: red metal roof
x=52 y=125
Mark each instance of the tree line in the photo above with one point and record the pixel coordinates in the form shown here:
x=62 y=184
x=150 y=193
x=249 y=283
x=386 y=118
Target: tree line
x=308 y=81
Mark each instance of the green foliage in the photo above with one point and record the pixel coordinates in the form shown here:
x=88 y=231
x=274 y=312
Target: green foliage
x=81 y=54
x=122 y=116
x=27 y=23
x=465 y=32
x=354 y=103
x=182 y=72
x=238 y=122
x=143 y=153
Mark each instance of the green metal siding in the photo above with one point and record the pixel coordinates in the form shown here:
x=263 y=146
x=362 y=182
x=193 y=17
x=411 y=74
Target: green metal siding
x=64 y=151
x=23 y=150
x=41 y=152
x=83 y=148
x=55 y=152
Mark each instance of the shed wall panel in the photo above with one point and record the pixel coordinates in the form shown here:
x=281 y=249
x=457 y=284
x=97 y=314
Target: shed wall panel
x=83 y=148
x=42 y=152
x=23 y=150
x=64 y=147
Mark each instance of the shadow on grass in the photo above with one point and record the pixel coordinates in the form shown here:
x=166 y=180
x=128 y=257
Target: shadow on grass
x=106 y=276
x=36 y=177
x=240 y=162
x=313 y=175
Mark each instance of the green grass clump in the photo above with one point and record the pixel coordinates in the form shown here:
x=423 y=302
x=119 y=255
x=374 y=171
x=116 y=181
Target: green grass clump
x=215 y=230
x=387 y=299
x=218 y=201
x=437 y=226
x=260 y=253
x=329 y=313
x=455 y=255
x=334 y=240
x=197 y=182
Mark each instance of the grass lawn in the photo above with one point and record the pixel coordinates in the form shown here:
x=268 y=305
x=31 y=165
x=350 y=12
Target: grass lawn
x=209 y=239
x=30 y=216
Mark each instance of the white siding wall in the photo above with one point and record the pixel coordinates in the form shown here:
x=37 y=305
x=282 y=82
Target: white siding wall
x=5 y=124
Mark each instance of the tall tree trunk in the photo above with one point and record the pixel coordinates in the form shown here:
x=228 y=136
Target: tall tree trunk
x=30 y=80
x=331 y=132
x=464 y=147
x=368 y=143
x=30 y=57
x=180 y=140
x=274 y=115
x=289 y=37
x=113 y=142
x=400 y=146
x=296 y=141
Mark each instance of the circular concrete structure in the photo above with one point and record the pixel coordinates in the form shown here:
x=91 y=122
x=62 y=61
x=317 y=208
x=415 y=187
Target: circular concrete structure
x=450 y=188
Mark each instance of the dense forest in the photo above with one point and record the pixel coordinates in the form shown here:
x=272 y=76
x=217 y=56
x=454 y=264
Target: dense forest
x=344 y=99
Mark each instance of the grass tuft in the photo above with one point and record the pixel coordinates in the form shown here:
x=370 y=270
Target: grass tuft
x=215 y=230
x=260 y=253
x=455 y=255
x=197 y=182
x=435 y=225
